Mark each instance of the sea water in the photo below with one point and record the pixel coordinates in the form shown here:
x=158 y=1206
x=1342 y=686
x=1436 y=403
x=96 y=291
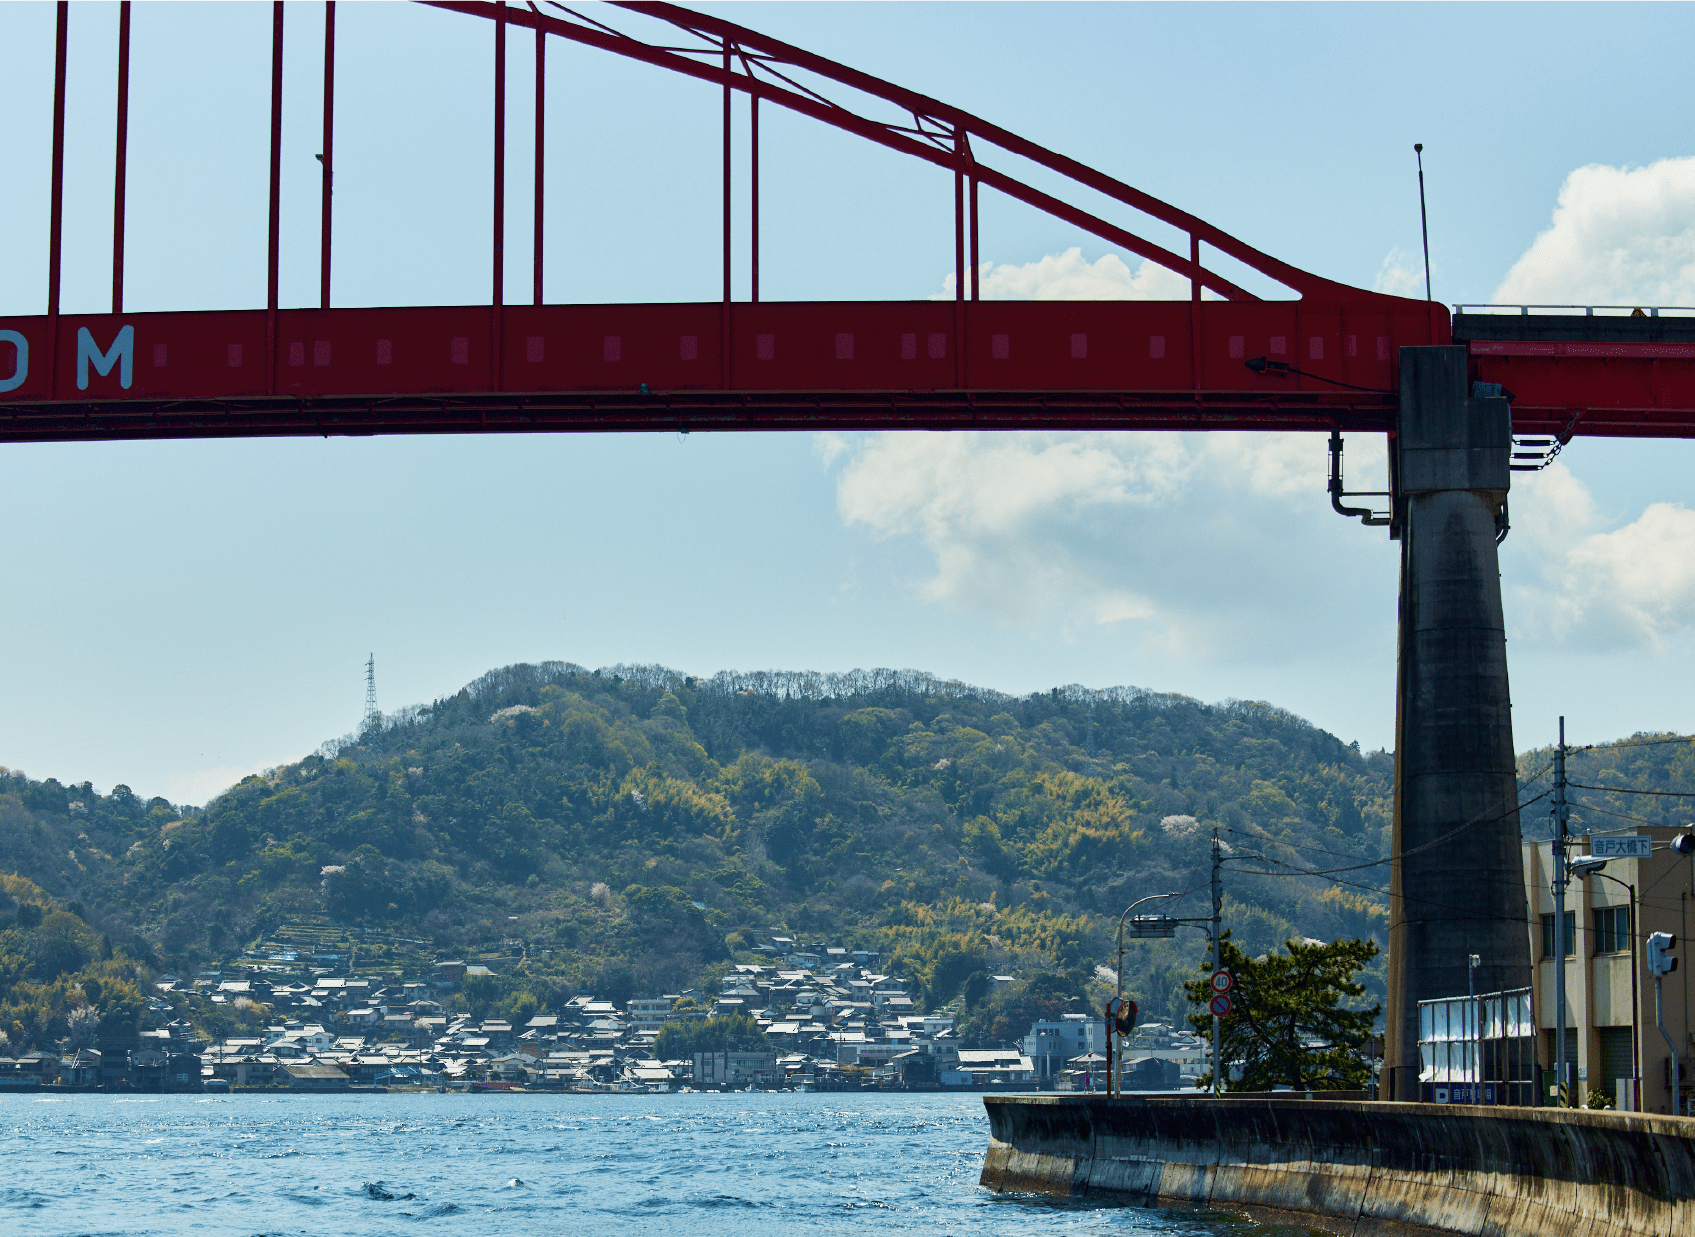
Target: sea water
x=744 y=1165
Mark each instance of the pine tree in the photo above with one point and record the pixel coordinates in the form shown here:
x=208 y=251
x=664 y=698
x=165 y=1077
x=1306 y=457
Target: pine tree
x=1287 y=1024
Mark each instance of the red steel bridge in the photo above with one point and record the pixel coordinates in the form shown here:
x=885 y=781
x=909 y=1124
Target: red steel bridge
x=1325 y=359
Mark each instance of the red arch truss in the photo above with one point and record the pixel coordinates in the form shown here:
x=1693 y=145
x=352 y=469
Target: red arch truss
x=1324 y=359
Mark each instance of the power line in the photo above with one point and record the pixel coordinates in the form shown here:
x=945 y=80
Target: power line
x=1340 y=854
x=1410 y=899
x=1631 y=790
x=1436 y=841
x=1590 y=747
x=1590 y=807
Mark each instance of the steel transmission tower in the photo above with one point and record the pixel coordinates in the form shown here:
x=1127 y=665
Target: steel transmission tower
x=373 y=722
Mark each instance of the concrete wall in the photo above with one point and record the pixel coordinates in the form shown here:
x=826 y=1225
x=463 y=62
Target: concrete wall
x=1353 y=1168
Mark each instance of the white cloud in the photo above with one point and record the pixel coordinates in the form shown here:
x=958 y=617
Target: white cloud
x=1069 y=276
x=1633 y=586
x=1619 y=236
x=1402 y=274
x=827 y=446
x=1206 y=546
x=1552 y=509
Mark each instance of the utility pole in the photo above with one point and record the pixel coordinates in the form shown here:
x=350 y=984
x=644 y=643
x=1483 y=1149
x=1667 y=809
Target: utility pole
x=1561 y=879
x=1217 y=951
x=1476 y=1028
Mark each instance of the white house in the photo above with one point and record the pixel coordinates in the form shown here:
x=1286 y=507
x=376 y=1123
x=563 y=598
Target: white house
x=1051 y=1044
x=650 y=1013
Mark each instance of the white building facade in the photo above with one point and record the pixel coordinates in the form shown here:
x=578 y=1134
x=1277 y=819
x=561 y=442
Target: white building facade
x=1051 y=1044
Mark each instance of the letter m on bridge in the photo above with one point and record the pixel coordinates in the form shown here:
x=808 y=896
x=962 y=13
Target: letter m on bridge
x=121 y=354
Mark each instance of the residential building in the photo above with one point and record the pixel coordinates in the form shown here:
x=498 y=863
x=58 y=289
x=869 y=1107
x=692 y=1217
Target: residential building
x=995 y=1065
x=736 y=1070
x=1609 y=989
x=650 y=1013
x=868 y=1054
x=80 y=1069
x=301 y=1077
x=1051 y=1044
x=1151 y=1074
x=449 y=974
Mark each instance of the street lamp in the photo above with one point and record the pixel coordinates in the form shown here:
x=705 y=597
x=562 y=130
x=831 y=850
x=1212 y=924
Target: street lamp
x=1585 y=866
x=1150 y=898
x=1112 y=1055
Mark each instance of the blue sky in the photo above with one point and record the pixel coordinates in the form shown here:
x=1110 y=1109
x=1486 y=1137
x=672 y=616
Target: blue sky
x=180 y=614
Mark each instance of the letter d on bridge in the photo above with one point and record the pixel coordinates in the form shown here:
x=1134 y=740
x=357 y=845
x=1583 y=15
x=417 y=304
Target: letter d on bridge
x=20 y=371
x=121 y=353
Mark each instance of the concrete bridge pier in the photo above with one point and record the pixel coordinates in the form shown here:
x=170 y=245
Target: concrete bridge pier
x=1457 y=884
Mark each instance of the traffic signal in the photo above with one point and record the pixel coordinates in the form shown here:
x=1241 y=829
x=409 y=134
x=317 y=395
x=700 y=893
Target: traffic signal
x=1684 y=843
x=1660 y=945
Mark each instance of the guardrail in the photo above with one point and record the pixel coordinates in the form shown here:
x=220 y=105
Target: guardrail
x=1588 y=311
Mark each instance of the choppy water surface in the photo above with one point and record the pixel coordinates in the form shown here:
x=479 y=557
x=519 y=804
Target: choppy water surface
x=356 y=1166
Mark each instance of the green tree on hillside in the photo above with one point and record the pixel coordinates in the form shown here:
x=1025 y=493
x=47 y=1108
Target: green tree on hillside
x=480 y=992
x=56 y=981
x=1287 y=1024
x=60 y=945
x=635 y=831
x=950 y=970
x=734 y=1033
x=1007 y=1014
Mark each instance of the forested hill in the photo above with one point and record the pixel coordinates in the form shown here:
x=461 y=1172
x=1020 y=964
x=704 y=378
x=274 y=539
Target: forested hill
x=633 y=830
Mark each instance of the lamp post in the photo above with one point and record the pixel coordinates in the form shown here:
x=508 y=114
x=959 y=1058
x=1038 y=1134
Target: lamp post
x=1150 y=898
x=1562 y=877
x=1111 y=1052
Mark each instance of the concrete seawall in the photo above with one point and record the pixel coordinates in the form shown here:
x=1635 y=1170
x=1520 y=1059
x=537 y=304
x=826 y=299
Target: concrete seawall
x=1353 y=1168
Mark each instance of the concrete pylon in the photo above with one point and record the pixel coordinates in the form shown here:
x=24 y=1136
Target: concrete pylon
x=1457 y=883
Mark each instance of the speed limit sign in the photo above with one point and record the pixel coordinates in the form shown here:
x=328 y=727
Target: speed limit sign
x=1221 y=981
x=1220 y=1005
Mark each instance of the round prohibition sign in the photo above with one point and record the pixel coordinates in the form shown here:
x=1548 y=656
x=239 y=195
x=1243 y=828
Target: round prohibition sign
x=1222 y=981
x=1220 y=1005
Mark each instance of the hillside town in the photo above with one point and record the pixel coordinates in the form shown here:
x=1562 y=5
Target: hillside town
x=831 y=1019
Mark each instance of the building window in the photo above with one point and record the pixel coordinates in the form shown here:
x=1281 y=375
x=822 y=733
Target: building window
x=1548 y=934
x=1612 y=929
